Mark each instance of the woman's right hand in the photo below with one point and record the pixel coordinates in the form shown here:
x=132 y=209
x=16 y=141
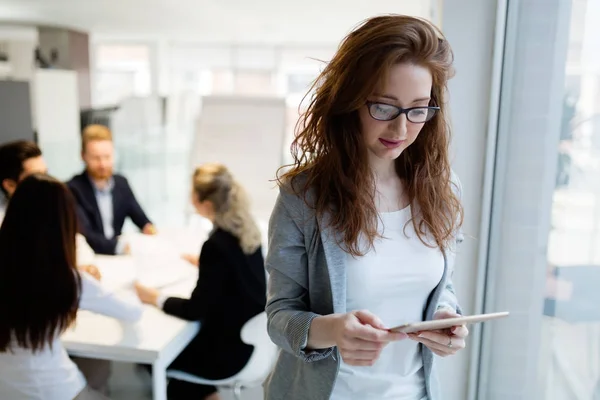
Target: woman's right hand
x=360 y=336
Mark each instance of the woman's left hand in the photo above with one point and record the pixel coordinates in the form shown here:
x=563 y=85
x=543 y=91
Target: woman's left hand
x=192 y=259
x=92 y=270
x=146 y=294
x=443 y=342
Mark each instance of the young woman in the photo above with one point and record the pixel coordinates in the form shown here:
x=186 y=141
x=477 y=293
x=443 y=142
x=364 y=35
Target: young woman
x=231 y=286
x=363 y=234
x=40 y=292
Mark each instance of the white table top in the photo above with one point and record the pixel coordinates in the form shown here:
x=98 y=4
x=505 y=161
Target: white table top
x=154 y=335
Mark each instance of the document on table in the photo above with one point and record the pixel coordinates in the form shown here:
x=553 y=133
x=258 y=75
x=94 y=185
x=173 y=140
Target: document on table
x=158 y=261
x=155 y=261
x=161 y=271
x=150 y=245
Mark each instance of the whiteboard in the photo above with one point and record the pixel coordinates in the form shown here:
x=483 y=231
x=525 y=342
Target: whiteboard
x=246 y=134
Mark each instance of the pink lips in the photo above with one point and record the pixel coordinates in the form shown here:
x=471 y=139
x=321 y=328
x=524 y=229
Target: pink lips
x=391 y=144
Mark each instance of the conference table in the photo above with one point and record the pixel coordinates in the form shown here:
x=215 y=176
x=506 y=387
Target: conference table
x=155 y=339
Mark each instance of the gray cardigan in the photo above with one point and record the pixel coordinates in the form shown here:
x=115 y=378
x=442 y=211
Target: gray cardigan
x=307 y=278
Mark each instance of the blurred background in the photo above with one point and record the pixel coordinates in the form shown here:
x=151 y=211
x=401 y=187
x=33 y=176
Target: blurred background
x=189 y=81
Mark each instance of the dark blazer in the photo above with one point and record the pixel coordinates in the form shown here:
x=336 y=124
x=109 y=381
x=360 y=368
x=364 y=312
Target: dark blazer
x=231 y=289
x=90 y=222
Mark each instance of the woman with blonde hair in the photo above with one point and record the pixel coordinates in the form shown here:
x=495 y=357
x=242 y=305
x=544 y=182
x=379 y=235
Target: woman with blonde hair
x=363 y=234
x=231 y=285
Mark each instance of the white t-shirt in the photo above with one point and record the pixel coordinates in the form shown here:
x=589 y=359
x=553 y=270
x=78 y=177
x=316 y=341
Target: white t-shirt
x=393 y=281
x=50 y=374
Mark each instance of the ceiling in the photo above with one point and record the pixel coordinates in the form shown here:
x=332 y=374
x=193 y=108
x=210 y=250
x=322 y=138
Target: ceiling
x=237 y=21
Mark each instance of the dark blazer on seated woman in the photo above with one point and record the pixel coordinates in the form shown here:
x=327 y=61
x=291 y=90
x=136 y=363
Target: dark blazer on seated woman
x=231 y=290
x=229 y=281
x=89 y=215
x=231 y=285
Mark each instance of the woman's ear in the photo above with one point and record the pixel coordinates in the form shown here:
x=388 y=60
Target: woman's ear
x=10 y=186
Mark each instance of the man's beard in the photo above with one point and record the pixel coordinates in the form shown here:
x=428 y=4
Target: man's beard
x=100 y=175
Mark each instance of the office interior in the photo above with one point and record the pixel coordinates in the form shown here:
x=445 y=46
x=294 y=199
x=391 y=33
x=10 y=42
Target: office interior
x=193 y=81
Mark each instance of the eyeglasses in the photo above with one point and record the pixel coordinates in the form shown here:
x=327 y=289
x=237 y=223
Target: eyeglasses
x=388 y=112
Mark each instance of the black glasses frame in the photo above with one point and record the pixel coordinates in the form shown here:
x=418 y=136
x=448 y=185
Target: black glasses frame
x=402 y=111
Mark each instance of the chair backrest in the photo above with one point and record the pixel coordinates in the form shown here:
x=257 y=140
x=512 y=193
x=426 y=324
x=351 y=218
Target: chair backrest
x=264 y=355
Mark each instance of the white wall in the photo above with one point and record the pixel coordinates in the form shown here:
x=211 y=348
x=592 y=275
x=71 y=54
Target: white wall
x=21 y=42
x=469 y=27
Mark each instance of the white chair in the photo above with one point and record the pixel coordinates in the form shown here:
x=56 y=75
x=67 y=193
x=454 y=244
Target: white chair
x=256 y=370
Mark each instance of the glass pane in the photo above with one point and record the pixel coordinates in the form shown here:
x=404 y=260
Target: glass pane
x=300 y=83
x=296 y=91
x=121 y=71
x=112 y=87
x=570 y=357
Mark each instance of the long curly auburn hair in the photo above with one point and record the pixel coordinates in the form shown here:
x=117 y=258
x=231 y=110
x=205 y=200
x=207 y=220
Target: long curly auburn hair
x=328 y=151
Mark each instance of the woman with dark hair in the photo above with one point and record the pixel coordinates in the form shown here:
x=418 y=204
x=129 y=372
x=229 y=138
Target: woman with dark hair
x=40 y=292
x=363 y=234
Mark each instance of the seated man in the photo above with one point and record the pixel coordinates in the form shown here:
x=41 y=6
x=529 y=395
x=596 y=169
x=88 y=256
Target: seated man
x=18 y=160
x=104 y=199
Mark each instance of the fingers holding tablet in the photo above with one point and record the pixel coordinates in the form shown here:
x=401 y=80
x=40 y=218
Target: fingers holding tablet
x=439 y=343
x=446 y=341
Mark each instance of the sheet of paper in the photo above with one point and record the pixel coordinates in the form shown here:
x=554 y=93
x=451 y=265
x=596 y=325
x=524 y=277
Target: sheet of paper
x=157 y=271
x=118 y=272
x=150 y=245
x=162 y=271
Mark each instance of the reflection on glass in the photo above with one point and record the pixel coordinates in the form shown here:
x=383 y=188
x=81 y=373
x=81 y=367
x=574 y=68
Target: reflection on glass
x=570 y=356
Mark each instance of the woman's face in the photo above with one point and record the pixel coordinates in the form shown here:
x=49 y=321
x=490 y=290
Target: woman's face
x=406 y=86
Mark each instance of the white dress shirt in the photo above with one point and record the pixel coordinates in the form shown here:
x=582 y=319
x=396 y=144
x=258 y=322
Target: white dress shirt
x=50 y=374
x=104 y=199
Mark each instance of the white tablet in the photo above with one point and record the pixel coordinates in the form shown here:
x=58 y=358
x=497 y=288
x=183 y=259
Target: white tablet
x=447 y=323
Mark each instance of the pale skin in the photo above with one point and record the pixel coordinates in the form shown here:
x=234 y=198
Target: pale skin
x=92 y=270
x=98 y=157
x=360 y=336
x=205 y=209
x=191 y=258
x=37 y=165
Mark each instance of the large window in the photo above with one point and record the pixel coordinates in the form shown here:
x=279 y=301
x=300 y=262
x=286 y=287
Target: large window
x=544 y=254
x=571 y=351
